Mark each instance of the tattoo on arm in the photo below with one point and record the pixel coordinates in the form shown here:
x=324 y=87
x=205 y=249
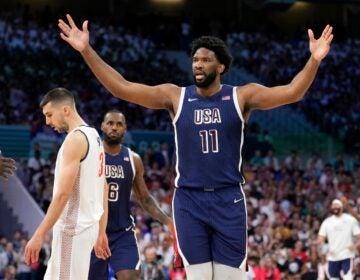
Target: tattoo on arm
x=153 y=208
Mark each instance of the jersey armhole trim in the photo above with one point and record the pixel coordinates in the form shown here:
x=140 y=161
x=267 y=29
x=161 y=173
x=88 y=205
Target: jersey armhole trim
x=236 y=103
x=181 y=101
x=88 y=145
x=131 y=156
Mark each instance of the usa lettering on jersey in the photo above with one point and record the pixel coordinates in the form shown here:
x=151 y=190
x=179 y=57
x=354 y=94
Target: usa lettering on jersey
x=114 y=171
x=207 y=116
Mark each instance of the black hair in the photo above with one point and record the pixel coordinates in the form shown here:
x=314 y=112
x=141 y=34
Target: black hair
x=116 y=111
x=216 y=45
x=57 y=95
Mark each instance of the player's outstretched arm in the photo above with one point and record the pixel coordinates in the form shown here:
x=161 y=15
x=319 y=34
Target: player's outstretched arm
x=255 y=96
x=143 y=196
x=155 y=97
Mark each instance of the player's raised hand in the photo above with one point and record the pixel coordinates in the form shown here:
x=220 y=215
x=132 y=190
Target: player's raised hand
x=319 y=48
x=78 y=39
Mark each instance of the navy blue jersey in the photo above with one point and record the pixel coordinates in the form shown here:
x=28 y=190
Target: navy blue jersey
x=209 y=134
x=119 y=173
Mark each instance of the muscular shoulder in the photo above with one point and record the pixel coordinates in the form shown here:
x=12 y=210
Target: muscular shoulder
x=243 y=96
x=76 y=144
x=246 y=91
x=139 y=167
x=172 y=92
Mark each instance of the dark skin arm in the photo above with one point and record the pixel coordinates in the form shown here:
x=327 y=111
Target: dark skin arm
x=145 y=199
x=162 y=96
x=257 y=97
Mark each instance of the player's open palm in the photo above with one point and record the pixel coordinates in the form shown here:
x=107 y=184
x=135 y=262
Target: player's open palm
x=78 y=39
x=319 y=48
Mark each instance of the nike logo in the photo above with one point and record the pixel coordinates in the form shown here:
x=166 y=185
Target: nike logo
x=237 y=200
x=128 y=228
x=192 y=99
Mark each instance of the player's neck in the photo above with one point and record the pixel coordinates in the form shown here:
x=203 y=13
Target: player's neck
x=210 y=90
x=112 y=149
x=75 y=122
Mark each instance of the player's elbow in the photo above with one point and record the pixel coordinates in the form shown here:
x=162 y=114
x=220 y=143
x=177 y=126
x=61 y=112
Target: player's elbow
x=63 y=196
x=296 y=93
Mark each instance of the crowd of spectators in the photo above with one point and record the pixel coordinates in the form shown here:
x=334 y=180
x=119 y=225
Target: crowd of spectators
x=287 y=199
x=333 y=102
x=35 y=60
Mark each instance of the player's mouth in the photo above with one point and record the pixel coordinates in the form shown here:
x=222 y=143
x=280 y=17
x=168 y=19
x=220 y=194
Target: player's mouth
x=114 y=134
x=199 y=75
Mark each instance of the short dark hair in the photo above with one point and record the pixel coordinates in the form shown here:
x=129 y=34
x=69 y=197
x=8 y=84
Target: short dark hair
x=216 y=45
x=57 y=95
x=116 y=111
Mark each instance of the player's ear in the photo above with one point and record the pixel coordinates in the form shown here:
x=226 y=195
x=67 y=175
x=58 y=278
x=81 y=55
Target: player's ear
x=221 y=68
x=66 y=110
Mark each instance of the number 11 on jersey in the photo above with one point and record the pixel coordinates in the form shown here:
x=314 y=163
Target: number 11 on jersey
x=209 y=141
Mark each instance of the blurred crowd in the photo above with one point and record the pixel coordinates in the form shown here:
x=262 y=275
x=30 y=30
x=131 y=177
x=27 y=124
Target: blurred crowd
x=34 y=60
x=287 y=199
x=333 y=101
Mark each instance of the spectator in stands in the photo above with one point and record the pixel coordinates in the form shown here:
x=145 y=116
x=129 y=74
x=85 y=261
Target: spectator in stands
x=340 y=229
x=10 y=273
x=152 y=265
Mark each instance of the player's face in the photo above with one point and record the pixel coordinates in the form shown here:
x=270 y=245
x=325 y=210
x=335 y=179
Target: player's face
x=55 y=117
x=205 y=67
x=114 y=128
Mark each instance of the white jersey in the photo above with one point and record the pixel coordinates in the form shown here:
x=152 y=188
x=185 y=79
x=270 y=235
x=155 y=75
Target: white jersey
x=340 y=232
x=85 y=205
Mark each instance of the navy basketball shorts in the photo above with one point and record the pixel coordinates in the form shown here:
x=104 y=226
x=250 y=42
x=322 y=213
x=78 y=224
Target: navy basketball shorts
x=334 y=267
x=124 y=255
x=211 y=225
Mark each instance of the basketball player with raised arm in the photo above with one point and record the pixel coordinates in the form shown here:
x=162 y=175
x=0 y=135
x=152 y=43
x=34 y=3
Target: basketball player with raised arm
x=209 y=207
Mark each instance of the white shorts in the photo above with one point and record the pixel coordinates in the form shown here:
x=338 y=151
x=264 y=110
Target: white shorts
x=70 y=255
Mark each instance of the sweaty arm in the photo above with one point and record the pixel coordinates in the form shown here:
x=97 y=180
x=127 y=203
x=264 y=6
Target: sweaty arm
x=255 y=96
x=154 y=97
x=75 y=149
x=143 y=196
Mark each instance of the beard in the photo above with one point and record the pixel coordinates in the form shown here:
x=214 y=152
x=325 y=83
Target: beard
x=335 y=212
x=63 y=127
x=208 y=80
x=112 y=141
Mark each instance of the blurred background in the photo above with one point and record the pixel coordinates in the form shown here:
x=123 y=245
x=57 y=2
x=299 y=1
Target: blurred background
x=297 y=158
